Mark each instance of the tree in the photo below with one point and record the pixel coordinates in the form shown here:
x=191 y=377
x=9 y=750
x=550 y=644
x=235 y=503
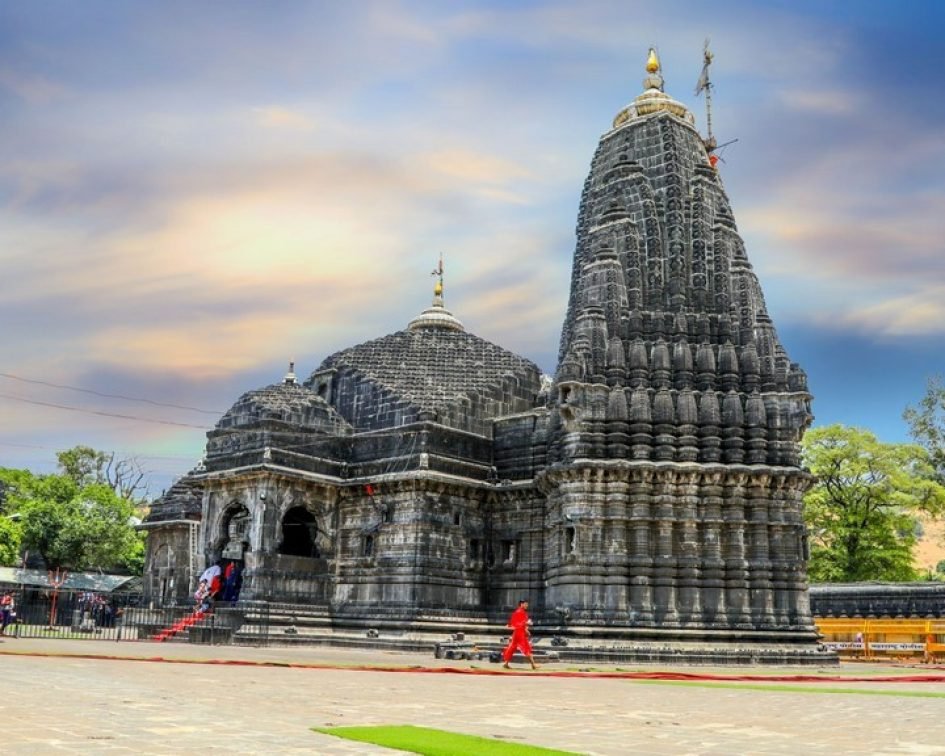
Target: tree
x=927 y=423
x=71 y=525
x=9 y=541
x=85 y=465
x=862 y=511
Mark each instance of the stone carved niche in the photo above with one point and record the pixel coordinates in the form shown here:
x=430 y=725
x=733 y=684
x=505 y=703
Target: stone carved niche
x=162 y=573
x=236 y=533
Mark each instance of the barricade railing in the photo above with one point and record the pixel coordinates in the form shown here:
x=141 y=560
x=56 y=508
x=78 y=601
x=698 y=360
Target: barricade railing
x=86 y=615
x=884 y=637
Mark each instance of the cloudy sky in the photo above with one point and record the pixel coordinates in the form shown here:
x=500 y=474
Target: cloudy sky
x=191 y=194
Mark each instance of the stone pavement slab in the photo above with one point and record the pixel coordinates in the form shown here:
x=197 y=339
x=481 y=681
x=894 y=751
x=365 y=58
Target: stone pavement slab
x=70 y=704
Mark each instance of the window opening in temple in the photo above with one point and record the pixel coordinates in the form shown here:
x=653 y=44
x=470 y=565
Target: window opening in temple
x=570 y=540
x=367 y=547
x=299 y=532
x=474 y=549
x=565 y=393
x=509 y=551
x=457 y=518
x=235 y=533
x=323 y=390
x=389 y=513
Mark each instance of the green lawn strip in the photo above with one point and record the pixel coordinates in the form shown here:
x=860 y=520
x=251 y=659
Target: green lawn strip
x=430 y=742
x=793 y=688
x=851 y=671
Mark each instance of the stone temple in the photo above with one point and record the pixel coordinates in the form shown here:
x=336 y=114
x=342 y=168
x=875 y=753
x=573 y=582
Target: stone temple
x=648 y=497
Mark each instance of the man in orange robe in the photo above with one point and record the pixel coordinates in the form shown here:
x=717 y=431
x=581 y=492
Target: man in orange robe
x=519 y=623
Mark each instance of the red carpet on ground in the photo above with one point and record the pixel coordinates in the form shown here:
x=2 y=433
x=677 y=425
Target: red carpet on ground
x=677 y=676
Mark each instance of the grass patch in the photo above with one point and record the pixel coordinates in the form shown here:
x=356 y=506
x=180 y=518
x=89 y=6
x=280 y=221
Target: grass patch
x=795 y=688
x=430 y=742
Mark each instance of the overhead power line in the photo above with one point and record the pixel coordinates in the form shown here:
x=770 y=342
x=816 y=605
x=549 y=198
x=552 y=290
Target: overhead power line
x=109 y=396
x=136 y=455
x=101 y=413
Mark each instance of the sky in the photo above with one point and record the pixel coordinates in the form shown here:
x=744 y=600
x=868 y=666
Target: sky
x=193 y=194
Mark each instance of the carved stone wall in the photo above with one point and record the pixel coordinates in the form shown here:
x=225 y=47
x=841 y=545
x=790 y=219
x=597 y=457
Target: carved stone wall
x=670 y=546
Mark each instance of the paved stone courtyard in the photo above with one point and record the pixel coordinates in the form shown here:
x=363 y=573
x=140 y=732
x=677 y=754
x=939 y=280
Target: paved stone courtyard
x=70 y=704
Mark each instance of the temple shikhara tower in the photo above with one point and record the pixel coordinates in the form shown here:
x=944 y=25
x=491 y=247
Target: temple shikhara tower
x=646 y=500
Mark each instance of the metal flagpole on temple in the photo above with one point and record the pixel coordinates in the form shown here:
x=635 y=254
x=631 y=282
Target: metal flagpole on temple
x=705 y=85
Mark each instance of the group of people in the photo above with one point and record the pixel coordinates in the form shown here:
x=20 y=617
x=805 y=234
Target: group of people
x=218 y=583
x=98 y=609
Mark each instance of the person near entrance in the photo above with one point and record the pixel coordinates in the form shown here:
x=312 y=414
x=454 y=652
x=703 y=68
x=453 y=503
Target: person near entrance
x=231 y=582
x=519 y=622
x=7 y=611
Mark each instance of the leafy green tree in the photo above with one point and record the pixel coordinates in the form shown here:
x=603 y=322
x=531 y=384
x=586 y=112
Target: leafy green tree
x=862 y=513
x=73 y=525
x=927 y=423
x=10 y=538
x=83 y=464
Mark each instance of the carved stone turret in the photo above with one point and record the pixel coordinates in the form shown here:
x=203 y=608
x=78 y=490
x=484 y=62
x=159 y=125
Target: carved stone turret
x=660 y=265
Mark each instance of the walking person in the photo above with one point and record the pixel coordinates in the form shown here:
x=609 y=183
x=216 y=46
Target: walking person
x=519 y=622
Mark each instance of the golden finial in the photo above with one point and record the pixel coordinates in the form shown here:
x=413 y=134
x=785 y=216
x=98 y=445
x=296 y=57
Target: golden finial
x=652 y=62
x=438 y=271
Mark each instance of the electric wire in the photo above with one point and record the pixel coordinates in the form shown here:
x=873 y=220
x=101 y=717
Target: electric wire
x=99 y=412
x=123 y=452
x=109 y=396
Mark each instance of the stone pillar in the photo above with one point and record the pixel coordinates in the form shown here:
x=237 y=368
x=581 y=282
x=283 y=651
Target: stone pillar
x=799 y=600
x=759 y=565
x=779 y=540
x=640 y=563
x=664 y=562
x=713 y=565
x=688 y=557
x=733 y=551
x=615 y=551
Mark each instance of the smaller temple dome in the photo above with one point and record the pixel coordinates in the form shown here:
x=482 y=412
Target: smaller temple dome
x=436 y=316
x=287 y=403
